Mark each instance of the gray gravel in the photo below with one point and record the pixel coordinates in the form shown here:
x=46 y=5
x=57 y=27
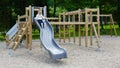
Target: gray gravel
x=78 y=56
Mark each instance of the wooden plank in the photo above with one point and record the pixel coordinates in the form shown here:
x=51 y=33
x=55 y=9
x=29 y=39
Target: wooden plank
x=93 y=10
x=23 y=16
x=70 y=23
x=36 y=7
x=72 y=12
x=101 y=15
x=27 y=8
x=53 y=18
x=22 y=22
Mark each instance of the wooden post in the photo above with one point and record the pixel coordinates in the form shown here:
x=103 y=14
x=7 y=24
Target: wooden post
x=27 y=37
x=98 y=20
x=30 y=28
x=69 y=26
x=59 y=28
x=74 y=26
x=111 y=27
x=79 y=30
x=86 y=27
x=90 y=27
x=64 y=27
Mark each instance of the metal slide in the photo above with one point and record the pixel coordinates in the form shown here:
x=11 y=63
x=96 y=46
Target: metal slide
x=48 y=42
x=12 y=31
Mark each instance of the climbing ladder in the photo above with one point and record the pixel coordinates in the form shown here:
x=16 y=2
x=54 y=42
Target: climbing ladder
x=11 y=35
x=22 y=29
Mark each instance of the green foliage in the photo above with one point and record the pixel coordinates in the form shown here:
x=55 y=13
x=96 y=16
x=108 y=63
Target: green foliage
x=9 y=9
x=58 y=10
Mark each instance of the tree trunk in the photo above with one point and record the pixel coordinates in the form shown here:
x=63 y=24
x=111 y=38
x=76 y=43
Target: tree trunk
x=101 y=24
x=118 y=11
x=54 y=14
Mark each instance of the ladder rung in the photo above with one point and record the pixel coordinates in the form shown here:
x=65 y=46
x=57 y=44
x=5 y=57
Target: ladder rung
x=23 y=28
x=64 y=33
x=20 y=35
x=15 y=42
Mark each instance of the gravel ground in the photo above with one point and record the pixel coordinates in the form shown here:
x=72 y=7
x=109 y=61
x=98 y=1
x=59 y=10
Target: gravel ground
x=78 y=56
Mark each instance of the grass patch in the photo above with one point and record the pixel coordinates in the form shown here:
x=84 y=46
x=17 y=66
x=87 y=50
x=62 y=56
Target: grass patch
x=106 y=31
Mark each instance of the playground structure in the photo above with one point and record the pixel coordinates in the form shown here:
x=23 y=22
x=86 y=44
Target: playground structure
x=21 y=28
x=86 y=17
x=112 y=28
x=81 y=17
x=25 y=27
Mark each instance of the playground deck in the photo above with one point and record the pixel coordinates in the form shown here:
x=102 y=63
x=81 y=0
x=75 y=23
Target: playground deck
x=78 y=56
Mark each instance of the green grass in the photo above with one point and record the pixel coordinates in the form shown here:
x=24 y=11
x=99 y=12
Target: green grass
x=2 y=37
x=106 y=31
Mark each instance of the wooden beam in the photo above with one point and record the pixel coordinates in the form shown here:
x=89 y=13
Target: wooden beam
x=92 y=10
x=70 y=23
x=23 y=16
x=101 y=15
x=53 y=18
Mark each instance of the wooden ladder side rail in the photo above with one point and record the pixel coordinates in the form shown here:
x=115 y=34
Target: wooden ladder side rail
x=113 y=26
